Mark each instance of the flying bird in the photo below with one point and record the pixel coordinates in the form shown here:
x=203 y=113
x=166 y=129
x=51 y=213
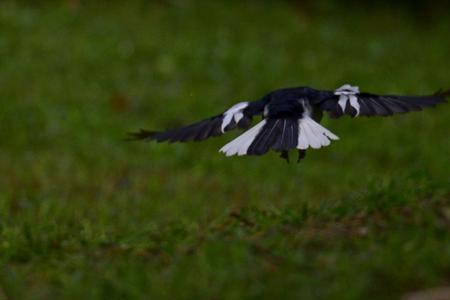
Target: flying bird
x=290 y=119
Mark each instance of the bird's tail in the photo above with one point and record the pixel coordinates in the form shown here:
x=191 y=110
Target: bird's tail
x=314 y=135
x=242 y=143
x=280 y=135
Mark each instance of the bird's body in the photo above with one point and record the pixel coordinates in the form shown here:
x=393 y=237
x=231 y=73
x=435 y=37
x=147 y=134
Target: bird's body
x=290 y=119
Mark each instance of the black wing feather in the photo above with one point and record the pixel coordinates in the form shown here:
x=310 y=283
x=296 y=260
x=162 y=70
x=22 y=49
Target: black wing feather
x=381 y=105
x=195 y=132
x=200 y=130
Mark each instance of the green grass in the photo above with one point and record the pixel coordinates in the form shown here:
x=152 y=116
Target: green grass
x=85 y=215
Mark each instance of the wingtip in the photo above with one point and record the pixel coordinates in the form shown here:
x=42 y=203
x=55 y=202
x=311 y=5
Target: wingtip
x=141 y=135
x=443 y=94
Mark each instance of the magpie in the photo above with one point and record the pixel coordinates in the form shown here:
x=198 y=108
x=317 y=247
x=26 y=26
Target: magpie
x=291 y=119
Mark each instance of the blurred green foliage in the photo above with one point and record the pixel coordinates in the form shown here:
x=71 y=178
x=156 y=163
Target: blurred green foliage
x=84 y=214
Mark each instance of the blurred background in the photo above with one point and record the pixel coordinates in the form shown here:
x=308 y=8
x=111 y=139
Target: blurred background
x=85 y=214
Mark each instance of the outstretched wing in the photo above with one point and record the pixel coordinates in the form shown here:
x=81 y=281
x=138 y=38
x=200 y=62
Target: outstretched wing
x=347 y=100
x=238 y=116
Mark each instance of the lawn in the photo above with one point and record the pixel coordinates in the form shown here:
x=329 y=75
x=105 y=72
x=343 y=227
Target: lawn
x=87 y=215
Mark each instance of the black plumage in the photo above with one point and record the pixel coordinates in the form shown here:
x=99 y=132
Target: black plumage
x=290 y=119
x=278 y=134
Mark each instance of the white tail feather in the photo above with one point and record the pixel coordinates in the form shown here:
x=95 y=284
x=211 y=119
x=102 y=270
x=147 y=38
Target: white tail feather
x=240 y=144
x=312 y=134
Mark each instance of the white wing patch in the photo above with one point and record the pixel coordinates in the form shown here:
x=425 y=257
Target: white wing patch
x=241 y=144
x=235 y=112
x=312 y=134
x=347 y=94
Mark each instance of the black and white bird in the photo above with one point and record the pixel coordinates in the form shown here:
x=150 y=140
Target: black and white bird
x=290 y=119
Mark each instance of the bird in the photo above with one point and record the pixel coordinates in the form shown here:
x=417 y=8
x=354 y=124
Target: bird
x=290 y=119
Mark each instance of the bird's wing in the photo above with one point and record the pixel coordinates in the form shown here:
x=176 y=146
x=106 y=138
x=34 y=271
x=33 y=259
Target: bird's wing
x=238 y=116
x=347 y=100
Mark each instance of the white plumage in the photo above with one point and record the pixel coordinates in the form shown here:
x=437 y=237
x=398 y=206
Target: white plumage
x=234 y=112
x=312 y=134
x=240 y=144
